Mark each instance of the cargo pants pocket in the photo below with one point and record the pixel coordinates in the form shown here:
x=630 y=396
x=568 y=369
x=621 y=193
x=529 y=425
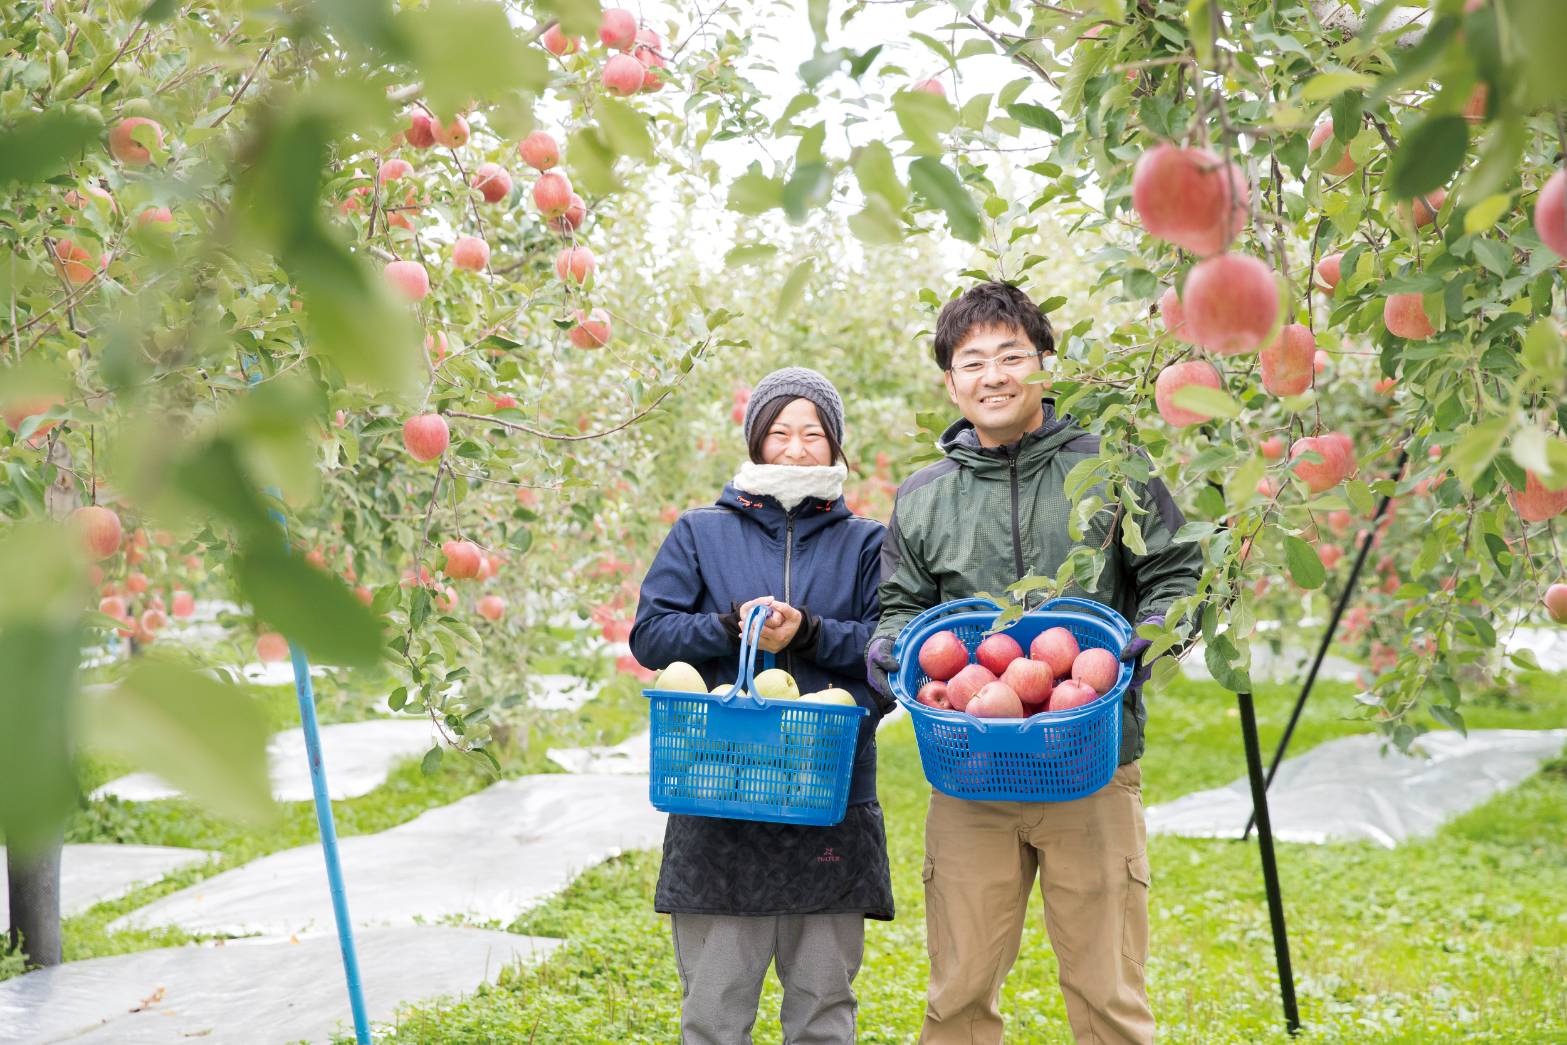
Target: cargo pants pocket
x=1134 y=919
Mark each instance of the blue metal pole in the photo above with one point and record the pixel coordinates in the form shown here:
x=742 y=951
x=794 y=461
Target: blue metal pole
x=304 y=689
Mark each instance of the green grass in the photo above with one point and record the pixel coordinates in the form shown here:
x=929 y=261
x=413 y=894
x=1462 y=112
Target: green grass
x=1460 y=937
x=618 y=712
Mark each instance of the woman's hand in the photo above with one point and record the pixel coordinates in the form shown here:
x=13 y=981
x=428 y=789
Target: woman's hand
x=780 y=627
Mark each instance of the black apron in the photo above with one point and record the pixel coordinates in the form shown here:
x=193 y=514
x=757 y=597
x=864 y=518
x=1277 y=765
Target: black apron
x=744 y=867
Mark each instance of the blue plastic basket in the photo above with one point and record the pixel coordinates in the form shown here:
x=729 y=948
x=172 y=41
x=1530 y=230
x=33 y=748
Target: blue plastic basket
x=1047 y=757
x=747 y=758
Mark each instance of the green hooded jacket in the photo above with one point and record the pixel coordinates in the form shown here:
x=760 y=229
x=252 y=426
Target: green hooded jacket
x=984 y=518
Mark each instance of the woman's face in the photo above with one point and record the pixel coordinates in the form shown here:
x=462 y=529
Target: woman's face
x=797 y=437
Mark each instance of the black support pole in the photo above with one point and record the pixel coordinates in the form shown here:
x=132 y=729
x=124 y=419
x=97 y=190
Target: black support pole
x=1270 y=869
x=33 y=884
x=1327 y=639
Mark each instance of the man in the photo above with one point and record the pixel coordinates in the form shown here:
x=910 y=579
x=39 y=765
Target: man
x=988 y=515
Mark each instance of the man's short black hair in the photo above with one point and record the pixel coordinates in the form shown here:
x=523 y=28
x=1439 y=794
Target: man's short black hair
x=990 y=305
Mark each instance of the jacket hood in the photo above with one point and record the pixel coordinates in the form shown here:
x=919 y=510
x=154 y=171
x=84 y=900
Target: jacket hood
x=810 y=515
x=960 y=442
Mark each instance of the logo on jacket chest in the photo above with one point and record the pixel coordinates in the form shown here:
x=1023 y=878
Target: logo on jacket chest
x=829 y=857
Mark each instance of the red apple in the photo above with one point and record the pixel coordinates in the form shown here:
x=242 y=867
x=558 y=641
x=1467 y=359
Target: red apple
x=184 y=604
x=393 y=169
x=539 y=151
x=1272 y=448
x=493 y=182
x=996 y=700
x=364 y=594
x=571 y=220
x=1057 y=648
x=1556 y=602
x=270 y=646
x=153 y=619
x=1323 y=475
x=471 y=253
x=100 y=530
x=1287 y=362
x=558 y=43
x=1536 y=502
x=1177 y=376
x=617 y=28
x=996 y=652
x=112 y=605
x=453 y=135
x=410 y=279
x=933 y=694
x=1031 y=680
x=1097 y=668
x=943 y=655
x=623 y=75
x=462 y=559
x=492 y=607
x=1550 y=213
x=1405 y=317
x=1174 y=316
x=592 y=329
x=575 y=265
x=1072 y=694
x=649 y=50
x=426 y=436
x=1231 y=303
x=421 y=131
x=930 y=85
x=125 y=148
x=1319 y=137
x=966 y=683
x=552 y=194
x=1329 y=271
x=1190 y=197
x=1422 y=210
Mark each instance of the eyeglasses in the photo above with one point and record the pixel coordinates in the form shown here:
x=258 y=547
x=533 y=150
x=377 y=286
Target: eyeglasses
x=1011 y=362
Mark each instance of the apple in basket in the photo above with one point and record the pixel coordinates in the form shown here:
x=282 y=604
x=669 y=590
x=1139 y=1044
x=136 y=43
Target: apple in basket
x=830 y=696
x=1070 y=694
x=966 y=683
x=777 y=684
x=943 y=655
x=933 y=694
x=1031 y=680
x=1056 y=647
x=680 y=677
x=1097 y=668
x=997 y=651
x=996 y=700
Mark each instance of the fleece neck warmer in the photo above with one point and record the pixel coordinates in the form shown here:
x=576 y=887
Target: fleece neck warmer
x=789 y=484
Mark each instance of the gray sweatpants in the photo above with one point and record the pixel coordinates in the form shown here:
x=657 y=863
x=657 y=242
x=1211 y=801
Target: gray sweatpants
x=723 y=960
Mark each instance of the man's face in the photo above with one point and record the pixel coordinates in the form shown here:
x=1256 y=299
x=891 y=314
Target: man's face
x=986 y=379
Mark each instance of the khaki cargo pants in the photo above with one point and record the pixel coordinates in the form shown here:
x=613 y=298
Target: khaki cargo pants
x=1091 y=859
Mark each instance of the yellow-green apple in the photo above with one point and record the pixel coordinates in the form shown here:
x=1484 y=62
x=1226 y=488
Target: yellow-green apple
x=680 y=677
x=776 y=684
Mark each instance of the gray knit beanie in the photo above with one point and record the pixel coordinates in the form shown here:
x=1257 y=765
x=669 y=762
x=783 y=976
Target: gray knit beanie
x=797 y=382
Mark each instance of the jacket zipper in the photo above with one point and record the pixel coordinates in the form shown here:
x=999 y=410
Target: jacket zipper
x=1017 y=532
x=788 y=567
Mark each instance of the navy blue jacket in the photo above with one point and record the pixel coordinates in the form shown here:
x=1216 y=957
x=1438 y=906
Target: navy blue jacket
x=820 y=557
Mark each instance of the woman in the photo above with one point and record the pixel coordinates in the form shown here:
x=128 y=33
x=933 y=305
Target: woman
x=744 y=894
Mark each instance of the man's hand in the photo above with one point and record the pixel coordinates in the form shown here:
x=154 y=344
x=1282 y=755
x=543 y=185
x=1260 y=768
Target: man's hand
x=779 y=628
x=1134 y=650
x=879 y=664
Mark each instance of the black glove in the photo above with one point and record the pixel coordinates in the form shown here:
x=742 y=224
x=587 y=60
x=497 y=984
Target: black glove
x=880 y=663
x=731 y=623
x=807 y=636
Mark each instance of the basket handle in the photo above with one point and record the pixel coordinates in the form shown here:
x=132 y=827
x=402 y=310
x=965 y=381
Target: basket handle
x=944 y=609
x=1097 y=609
x=750 y=644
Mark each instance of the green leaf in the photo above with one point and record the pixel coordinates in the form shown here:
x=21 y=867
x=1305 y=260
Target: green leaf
x=205 y=737
x=625 y=129
x=1191 y=532
x=1484 y=214
x=467 y=49
x=924 y=118
x=808 y=187
x=1304 y=564
x=1221 y=657
x=431 y=761
x=747 y=253
x=213 y=476
x=40 y=146
x=794 y=285
x=1035 y=116
x=1449 y=717
x=876 y=223
x=313 y=608
x=592 y=161
x=159 y=11
x=1215 y=402
x=1428 y=156
x=938 y=186
x=1327 y=85
x=1359 y=495
x=874 y=171
x=397 y=698
x=1496 y=257
x=755 y=193
x=1477 y=447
